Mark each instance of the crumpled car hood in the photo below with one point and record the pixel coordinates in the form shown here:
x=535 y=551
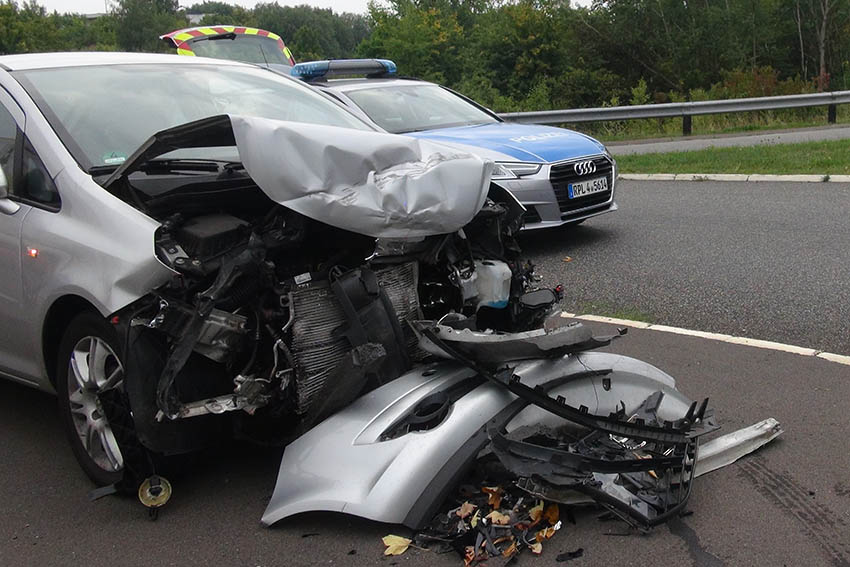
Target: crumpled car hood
x=372 y=183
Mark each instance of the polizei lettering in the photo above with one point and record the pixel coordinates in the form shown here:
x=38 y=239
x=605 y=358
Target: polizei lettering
x=538 y=137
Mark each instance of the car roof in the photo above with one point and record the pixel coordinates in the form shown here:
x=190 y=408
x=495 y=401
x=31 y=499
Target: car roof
x=81 y=59
x=201 y=31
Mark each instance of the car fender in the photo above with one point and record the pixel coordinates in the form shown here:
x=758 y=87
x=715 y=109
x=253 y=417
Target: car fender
x=95 y=247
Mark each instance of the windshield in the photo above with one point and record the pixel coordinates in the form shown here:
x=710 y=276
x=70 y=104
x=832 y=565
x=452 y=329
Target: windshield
x=104 y=113
x=237 y=47
x=411 y=108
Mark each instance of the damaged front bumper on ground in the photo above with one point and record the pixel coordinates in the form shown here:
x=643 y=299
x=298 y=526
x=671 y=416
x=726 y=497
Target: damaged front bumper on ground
x=396 y=453
x=575 y=428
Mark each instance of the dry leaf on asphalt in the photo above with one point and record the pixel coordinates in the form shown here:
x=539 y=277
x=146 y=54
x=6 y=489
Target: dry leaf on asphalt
x=396 y=545
x=552 y=514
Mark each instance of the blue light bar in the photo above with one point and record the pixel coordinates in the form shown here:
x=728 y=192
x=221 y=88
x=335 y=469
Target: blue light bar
x=310 y=70
x=328 y=68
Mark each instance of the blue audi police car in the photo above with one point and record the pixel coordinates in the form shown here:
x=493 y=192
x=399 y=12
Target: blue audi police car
x=559 y=175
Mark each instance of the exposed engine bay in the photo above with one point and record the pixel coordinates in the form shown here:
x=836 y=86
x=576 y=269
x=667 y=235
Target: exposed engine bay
x=286 y=319
x=279 y=320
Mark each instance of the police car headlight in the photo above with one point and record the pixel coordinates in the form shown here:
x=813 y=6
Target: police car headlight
x=513 y=170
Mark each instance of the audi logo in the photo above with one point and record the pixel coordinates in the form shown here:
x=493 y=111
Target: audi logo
x=584 y=167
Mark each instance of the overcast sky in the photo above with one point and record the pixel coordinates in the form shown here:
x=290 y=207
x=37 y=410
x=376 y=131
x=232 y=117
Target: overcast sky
x=95 y=6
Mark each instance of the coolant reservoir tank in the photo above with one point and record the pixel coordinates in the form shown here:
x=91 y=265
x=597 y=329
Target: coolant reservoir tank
x=493 y=283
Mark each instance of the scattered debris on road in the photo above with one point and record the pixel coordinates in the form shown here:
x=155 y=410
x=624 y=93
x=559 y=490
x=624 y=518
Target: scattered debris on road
x=492 y=522
x=524 y=486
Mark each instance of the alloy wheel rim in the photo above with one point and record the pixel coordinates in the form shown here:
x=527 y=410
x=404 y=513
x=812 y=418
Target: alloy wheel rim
x=94 y=368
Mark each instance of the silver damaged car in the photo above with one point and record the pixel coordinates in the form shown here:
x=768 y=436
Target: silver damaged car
x=195 y=250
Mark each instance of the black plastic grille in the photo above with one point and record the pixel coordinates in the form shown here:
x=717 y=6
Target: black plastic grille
x=562 y=175
x=531 y=215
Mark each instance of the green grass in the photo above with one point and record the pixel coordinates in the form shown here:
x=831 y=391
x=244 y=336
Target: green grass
x=741 y=122
x=826 y=158
x=674 y=130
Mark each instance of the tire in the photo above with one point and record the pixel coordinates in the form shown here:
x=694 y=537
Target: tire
x=88 y=365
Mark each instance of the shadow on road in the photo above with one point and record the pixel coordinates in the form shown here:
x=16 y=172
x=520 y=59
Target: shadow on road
x=560 y=239
x=33 y=445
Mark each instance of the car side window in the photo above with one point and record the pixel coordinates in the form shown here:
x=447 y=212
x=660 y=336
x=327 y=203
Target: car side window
x=8 y=136
x=35 y=185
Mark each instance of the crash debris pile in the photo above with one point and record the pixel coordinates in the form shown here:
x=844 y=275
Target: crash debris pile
x=643 y=480
x=525 y=486
x=493 y=523
x=640 y=481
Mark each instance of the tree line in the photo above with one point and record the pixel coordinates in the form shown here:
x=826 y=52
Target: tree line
x=514 y=54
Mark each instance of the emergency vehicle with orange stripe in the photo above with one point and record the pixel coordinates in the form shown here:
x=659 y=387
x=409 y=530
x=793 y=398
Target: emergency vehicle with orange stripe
x=236 y=43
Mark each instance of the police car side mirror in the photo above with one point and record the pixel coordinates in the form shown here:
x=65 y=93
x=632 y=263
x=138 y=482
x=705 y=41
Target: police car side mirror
x=7 y=206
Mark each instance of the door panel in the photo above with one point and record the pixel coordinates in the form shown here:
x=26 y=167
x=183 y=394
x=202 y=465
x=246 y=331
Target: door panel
x=14 y=358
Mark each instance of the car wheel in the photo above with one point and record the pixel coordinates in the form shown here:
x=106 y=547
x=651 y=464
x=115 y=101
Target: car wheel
x=88 y=366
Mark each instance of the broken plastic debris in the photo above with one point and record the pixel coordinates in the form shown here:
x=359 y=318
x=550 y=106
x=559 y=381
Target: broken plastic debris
x=466 y=509
x=547 y=533
x=570 y=555
x=498 y=518
x=727 y=449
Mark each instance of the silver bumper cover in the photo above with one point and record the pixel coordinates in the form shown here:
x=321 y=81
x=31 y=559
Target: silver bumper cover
x=367 y=461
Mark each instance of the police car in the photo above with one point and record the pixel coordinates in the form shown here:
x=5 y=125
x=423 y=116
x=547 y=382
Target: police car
x=559 y=175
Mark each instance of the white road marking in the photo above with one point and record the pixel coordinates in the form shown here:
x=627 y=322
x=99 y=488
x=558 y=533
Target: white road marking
x=745 y=341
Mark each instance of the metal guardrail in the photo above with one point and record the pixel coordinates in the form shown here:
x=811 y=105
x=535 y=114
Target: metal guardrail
x=685 y=110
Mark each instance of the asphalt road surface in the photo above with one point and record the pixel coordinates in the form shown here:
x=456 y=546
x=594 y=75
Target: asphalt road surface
x=761 y=260
x=795 y=136
x=764 y=260
x=787 y=504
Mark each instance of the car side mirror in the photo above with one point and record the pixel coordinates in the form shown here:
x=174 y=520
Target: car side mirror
x=7 y=206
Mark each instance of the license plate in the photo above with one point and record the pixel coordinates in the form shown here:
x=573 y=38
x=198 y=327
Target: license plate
x=587 y=187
